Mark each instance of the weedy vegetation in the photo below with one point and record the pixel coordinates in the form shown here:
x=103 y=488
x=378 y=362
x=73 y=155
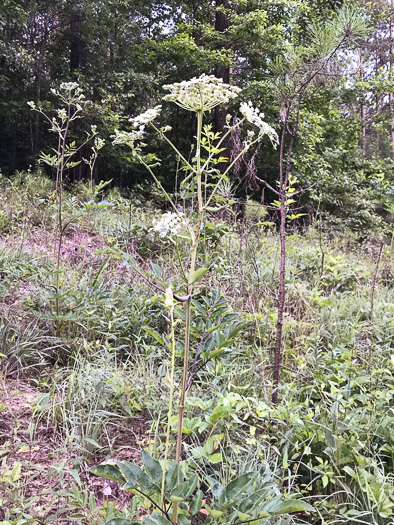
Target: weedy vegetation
x=174 y=357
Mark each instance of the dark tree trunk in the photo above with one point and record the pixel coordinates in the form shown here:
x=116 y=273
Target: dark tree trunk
x=391 y=66
x=222 y=23
x=362 y=109
x=78 y=50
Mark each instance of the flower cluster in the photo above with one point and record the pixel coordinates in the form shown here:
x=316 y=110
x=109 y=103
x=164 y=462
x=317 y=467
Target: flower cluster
x=98 y=143
x=169 y=301
x=130 y=138
x=201 y=94
x=146 y=117
x=169 y=224
x=70 y=93
x=254 y=116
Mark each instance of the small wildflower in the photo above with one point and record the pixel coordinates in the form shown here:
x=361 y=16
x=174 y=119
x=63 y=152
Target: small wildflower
x=170 y=223
x=146 y=117
x=130 y=138
x=169 y=302
x=98 y=143
x=254 y=116
x=69 y=86
x=201 y=94
x=31 y=104
x=61 y=113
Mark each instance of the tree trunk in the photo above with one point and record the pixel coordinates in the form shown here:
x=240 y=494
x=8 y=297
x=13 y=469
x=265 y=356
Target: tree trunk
x=362 y=109
x=391 y=94
x=78 y=55
x=222 y=23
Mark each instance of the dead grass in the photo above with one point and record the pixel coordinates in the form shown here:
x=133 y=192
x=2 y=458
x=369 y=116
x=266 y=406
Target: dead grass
x=47 y=462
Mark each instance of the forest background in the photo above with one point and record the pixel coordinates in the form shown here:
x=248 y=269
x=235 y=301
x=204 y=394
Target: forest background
x=122 y=53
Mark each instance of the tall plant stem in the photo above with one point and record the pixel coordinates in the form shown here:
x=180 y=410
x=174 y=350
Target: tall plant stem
x=284 y=172
x=375 y=280
x=171 y=381
x=59 y=191
x=190 y=290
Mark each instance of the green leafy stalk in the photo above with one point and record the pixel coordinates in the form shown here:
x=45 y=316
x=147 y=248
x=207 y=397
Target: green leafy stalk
x=171 y=381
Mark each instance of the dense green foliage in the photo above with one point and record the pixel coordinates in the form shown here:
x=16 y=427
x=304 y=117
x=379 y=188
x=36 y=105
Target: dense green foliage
x=328 y=440
x=121 y=53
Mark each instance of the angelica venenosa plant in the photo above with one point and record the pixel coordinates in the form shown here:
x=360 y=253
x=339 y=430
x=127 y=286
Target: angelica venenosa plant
x=198 y=95
x=201 y=94
x=169 y=224
x=72 y=102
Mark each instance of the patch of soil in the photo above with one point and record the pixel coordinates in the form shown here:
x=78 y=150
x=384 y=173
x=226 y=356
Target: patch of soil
x=48 y=464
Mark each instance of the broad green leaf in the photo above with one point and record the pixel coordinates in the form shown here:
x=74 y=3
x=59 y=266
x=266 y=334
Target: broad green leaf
x=171 y=477
x=129 y=472
x=183 y=520
x=109 y=472
x=93 y=442
x=215 y=458
x=156 y=519
x=213 y=442
x=16 y=471
x=215 y=296
x=198 y=402
x=199 y=307
x=184 y=490
x=249 y=504
x=215 y=353
x=218 y=492
x=219 y=412
x=158 y=271
x=196 y=504
x=154 y=334
x=152 y=466
x=216 y=514
x=268 y=506
x=349 y=471
x=199 y=274
x=243 y=517
x=238 y=486
x=291 y=505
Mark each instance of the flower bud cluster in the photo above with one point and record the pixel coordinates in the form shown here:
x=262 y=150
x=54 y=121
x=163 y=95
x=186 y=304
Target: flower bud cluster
x=169 y=300
x=169 y=224
x=254 y=116
x=98 y=143
x=130 y=138
x=145 y=117
x=201 y=94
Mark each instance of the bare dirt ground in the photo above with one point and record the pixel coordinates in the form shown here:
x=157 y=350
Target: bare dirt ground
x=48 y=465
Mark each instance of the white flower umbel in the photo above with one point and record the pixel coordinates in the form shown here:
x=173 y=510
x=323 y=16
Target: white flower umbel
x=254 y=116
x=130 y=138
x=146 y=117
x=201 y=94
x=169 y=224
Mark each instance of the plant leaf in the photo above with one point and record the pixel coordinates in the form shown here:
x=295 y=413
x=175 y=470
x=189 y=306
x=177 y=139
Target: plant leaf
x=199 y=274
x=156 y=519
x=291 y=505
x=184 y=490
x=154 y=334
x=109 y=472
x=152 y=466
x=196 y=504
